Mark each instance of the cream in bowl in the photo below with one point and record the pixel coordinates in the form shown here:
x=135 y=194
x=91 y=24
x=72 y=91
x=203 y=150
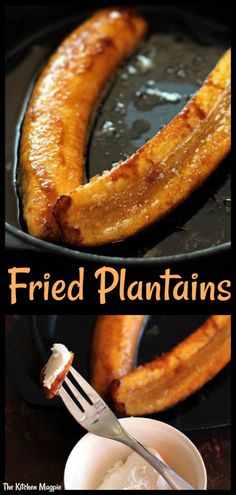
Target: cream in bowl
x=133 y=474
x=93 y=457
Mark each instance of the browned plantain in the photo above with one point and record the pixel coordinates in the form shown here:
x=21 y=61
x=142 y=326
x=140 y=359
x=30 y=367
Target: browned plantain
x=114 y=346
x=56 y=121
x=159 y=176
x=177 y=374
x=56 y=385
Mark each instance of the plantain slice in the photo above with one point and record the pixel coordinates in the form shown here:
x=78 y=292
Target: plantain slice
x=159 y=176
x=183 y=370
x=114 y=347
x=56 y=122
x=51 y=392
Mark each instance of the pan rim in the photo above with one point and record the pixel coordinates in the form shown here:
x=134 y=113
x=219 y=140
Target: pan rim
x=84 y=256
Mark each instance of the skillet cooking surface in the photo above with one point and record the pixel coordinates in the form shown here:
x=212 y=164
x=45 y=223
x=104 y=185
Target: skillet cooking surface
x=179 y=52
x=29 y=348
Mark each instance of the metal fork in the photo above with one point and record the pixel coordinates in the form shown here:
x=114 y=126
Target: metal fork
x=95 y=416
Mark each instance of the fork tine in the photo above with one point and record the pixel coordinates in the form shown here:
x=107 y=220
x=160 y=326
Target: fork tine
x=70 y=404
x=92 y=394
x=83 y=402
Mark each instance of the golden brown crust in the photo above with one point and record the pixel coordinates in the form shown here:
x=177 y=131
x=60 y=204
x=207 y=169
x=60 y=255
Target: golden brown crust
x=56 y=121
x=114 y=347
x=51 y=392
x=159 y=176
x=177 y=374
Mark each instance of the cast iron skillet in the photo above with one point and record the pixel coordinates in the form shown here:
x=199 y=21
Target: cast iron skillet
x=28 y=349
x=188 y=46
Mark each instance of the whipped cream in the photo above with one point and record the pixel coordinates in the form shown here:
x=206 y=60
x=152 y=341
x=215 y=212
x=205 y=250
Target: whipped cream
x=133 y=474
x=56 y=364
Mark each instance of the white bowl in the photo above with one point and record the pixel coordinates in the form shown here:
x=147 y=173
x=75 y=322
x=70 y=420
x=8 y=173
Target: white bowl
x=93 y=455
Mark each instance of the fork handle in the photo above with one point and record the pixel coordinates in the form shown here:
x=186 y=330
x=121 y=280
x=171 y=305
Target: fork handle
x=170 y=476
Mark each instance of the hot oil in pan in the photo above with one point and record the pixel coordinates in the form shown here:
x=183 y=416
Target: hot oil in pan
x=145 y=94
